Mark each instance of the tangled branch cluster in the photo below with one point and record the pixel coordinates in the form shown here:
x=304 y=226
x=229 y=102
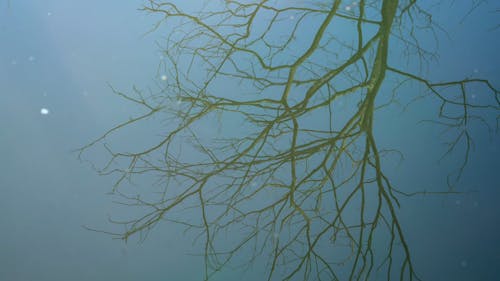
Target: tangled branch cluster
x=299 y=180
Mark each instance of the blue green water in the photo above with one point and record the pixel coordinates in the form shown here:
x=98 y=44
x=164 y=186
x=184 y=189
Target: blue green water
x=57 y=62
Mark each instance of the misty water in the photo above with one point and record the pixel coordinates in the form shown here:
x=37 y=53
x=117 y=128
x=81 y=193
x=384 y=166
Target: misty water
x=71 y=71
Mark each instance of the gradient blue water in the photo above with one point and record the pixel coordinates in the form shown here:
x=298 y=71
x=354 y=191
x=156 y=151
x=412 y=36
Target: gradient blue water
x=60 y=55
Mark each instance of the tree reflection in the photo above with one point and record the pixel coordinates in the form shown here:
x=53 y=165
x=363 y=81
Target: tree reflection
x=295 y=174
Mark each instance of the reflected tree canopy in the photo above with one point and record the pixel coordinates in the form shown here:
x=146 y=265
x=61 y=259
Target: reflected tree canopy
x=268 y=111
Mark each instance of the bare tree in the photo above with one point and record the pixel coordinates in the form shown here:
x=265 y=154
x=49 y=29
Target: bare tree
x=297 y=178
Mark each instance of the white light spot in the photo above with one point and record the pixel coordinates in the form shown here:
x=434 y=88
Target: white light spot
x=31 y=58
x=85 y=93
x=44 y=94
x=473 y=96
x=44 y=111
x=475 y=70
x=354 y=3
x=49 y=14
x=13 y=62
x=463 y=263
x=292 y=17
x=164 y=77
x=348 y=8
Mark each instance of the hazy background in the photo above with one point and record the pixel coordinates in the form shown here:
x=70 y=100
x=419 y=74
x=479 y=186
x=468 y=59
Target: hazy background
x=60 y=55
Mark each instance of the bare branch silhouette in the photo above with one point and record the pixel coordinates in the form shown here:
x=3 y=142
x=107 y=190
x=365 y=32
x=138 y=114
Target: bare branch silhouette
x=299 y=180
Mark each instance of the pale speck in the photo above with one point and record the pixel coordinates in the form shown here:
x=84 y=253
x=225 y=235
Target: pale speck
x=354 y=3
x=463 y=263
x=44 y=94
x=475 y=204
x=475 y=70
x=31 y=58
x=292 y=17
x=473 y=96
x=163 y=77
x=179 y=102
x=85 y=93
x=44 y=111
x=49 y=14
x=458 y=202
x=348 y=8
x=13 y=62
